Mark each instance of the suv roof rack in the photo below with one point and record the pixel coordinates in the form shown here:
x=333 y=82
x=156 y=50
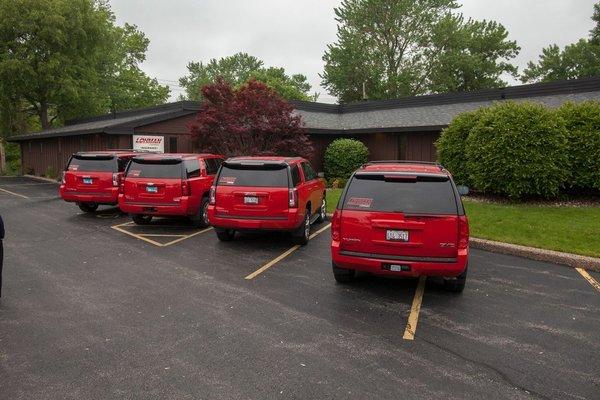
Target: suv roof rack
x=432 y=163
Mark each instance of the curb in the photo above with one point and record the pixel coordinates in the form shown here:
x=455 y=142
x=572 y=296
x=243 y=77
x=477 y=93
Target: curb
x=41 y=178
x=534 y=253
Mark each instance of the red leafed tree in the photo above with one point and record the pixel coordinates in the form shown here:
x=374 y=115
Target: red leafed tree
x=250 y=120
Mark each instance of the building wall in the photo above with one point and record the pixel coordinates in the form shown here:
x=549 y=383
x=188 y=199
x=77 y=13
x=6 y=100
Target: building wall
x=42 y=155
x=176 y=133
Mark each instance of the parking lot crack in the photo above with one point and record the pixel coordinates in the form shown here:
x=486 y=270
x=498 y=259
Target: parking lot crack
x=504 y=377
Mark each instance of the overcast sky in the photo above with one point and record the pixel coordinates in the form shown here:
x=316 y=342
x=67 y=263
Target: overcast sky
x=294 y=33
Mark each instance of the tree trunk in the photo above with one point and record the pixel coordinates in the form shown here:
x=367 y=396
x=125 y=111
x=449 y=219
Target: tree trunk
x=43 y=113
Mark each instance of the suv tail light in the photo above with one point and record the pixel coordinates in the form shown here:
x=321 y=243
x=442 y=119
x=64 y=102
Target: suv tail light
x=64 y=179
x=185 y=188
x=293 y=198
x=212 y=197
x=116 y=179
x=336 y=226
x=463 y=232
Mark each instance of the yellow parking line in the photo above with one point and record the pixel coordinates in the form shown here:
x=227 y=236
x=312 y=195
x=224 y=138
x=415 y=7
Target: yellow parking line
x=282 y=256
x=188 y=236
x=589 y=278
x=143 y=236
x=118 y=228
x=319 y=231
x=13 y=193
x=159 y=235
x=272 y=262
x=413 y=318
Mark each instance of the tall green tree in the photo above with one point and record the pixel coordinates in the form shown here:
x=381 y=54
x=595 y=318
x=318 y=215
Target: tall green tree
x=392 y=48
x=469 y=55
x=577 y=60
x=67 y=58
x=237 y=70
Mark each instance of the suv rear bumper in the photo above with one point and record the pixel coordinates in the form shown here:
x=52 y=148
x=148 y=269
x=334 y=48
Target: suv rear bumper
x=181 y=208
x=415 y=266
x=107 y=196
x=288 y=222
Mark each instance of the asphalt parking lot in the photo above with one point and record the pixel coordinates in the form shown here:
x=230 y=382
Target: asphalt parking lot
x=94 y=307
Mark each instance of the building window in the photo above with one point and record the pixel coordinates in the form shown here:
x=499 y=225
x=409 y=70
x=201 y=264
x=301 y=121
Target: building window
x=173 y=144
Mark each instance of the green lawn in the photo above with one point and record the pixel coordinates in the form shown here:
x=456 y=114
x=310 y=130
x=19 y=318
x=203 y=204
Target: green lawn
x=333 y=195
x=568 y=229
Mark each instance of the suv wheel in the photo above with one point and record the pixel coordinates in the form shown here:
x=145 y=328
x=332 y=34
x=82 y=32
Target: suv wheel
x=323 y=211
x=457 y=284
x=88 y=207
x=225 y=235
x=343 y=275
x=302 y=235
x=141 y=219
x=200 y=220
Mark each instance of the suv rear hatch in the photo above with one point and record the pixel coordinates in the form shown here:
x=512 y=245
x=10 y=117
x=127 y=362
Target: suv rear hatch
x=400 y=215
x=90 y=173
x=154 y=181
x=253 y=190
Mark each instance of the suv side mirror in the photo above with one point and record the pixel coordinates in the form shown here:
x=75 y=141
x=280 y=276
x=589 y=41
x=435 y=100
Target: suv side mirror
x=321 y=174
x=463 y=190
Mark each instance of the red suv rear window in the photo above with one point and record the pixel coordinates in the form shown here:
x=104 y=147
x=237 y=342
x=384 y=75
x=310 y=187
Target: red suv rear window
x=166 y=169
x=254 y=175
x=80 y=163
x=423 y=195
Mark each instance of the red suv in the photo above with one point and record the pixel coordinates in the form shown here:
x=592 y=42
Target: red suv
x=401 y=219
x=266 y=193
x=93 y=178
x=168 y=185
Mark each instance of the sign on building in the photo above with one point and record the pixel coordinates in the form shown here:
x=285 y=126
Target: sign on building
x=149 y=143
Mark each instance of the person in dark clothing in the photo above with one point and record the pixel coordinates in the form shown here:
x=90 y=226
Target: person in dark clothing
x=1 y=251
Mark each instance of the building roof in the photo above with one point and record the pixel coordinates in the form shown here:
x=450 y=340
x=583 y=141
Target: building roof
x=119 y=123
x=416 y=113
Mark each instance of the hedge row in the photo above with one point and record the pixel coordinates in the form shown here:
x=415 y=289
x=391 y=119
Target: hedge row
x=525 y=150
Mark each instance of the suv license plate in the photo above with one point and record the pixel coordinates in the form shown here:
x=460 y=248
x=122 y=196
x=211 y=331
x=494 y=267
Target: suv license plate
x=399 y=268
x=151 y=189
x=87 y=181
x=250 y=200
x=398 y=236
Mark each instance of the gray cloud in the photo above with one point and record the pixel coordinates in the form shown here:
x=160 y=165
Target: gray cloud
x=294 y=34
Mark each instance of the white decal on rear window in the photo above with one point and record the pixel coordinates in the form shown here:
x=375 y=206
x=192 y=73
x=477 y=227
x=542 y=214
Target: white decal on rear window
x=135 y=172
x=227 y=180
x=362 y=202
x=73 y=167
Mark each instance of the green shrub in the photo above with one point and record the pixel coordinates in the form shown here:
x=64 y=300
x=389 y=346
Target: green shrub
x=518 y=150
x=51 y=173
x=583 y=130
x=343 y=156
x=452 y=145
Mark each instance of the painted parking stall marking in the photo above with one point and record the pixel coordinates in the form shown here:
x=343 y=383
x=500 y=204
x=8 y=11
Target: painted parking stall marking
x=283 y=255
x=413 y=318
x=589 y=278
x=160 y=235
x=13 y=193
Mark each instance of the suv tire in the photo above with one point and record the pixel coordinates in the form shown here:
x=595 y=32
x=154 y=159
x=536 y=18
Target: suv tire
x=200 y=220
x=225 y=235
x=302 y=235
x=343 y=275
x=141 y=219
x=88 y=207
x=456 y=285
x=323 y=211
